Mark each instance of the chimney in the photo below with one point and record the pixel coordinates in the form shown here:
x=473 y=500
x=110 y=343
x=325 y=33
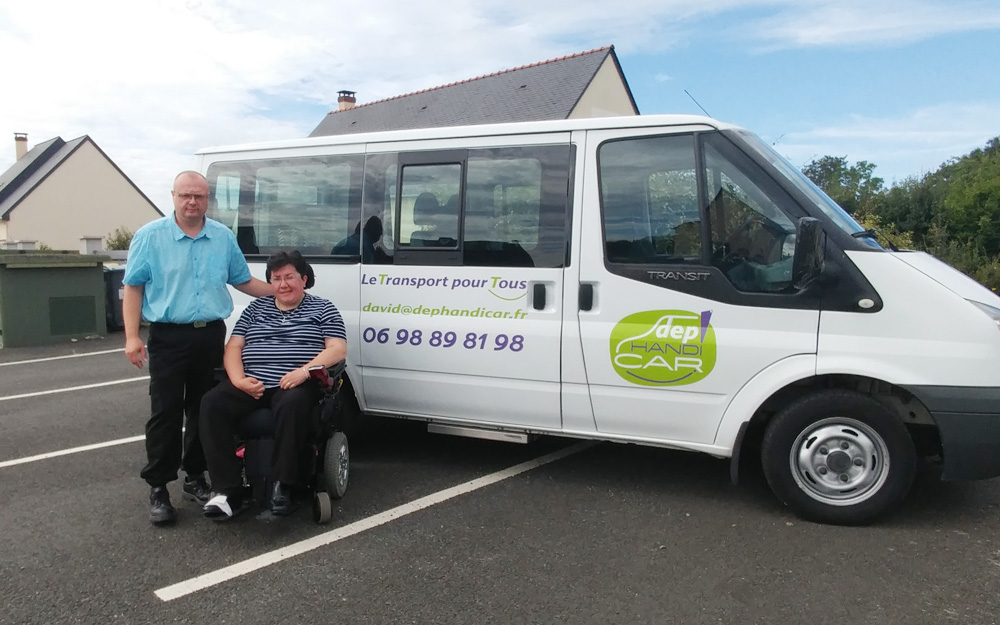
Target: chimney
x=20 y=144
x=345 y=100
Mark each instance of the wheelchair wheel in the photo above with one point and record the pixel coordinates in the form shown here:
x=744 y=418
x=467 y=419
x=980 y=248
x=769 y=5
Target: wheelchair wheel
x=337 y=465
x=322 y=508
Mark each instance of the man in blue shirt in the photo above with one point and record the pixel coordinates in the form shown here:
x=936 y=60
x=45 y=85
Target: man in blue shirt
x=175 y=277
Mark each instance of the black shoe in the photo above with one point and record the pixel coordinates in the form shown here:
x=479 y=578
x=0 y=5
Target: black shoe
x=160 y=510
x=281 y=499
x=196 y=489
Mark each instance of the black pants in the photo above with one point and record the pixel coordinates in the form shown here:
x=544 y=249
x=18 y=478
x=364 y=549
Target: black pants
x=182 y=363
x=225 y=406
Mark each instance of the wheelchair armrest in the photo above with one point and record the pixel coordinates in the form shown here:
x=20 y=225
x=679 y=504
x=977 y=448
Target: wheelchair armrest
x=328 y=378
x=337 y=369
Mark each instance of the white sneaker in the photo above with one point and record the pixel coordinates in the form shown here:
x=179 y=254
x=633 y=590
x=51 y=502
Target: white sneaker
x=223 y=508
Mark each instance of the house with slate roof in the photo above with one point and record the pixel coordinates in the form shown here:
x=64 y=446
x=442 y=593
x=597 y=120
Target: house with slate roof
x=61 y=191
x=588 y=84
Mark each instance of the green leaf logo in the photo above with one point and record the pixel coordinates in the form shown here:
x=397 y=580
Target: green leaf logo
x=664 y=347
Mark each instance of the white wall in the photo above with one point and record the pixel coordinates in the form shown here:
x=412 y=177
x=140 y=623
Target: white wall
x=605 y=96
x=85 y=196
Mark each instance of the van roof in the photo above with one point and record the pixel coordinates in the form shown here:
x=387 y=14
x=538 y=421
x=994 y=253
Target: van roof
x=482 y=130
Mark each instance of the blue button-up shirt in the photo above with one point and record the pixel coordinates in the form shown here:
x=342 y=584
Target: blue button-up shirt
x=184 y=279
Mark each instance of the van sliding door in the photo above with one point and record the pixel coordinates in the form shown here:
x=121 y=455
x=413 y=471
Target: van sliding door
x=461 y=310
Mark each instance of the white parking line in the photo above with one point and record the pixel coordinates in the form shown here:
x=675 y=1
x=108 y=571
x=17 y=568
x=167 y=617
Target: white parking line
x=25 y=362
x=74 y=450
x=74 y=388
x=233 y=571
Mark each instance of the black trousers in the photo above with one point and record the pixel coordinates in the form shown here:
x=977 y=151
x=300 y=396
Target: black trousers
x=182 y=363
x=225 y=406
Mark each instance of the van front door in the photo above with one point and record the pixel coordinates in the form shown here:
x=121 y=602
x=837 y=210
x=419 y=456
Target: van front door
x=690 y=283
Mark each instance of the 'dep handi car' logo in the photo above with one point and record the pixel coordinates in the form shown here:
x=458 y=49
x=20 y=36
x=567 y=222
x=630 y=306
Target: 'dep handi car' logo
x=664 y=347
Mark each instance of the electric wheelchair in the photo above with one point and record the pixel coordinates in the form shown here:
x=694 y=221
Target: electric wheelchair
x=328 y=462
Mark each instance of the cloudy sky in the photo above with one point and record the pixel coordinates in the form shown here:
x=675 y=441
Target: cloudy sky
x=904 y=84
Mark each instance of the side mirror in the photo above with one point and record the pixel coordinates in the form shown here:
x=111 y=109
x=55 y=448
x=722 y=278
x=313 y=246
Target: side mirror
x=807 y=264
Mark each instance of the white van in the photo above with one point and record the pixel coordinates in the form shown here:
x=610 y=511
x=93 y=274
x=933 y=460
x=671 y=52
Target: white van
x=661 y=280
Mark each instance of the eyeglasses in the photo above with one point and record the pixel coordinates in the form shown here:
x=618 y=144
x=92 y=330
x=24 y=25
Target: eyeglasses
x=289 y=278
x=192 y=196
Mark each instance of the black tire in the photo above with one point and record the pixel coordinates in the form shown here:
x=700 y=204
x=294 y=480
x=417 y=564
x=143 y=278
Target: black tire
x=337 y=465
x=838 y=457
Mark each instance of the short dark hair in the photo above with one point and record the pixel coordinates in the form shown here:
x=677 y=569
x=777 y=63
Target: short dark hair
x=293 y=258
x=373 y=228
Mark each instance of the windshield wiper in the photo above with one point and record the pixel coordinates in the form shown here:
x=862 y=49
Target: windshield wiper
x=872 y=233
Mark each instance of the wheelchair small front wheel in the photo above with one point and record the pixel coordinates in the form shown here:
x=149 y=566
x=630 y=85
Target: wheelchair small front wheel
x=322 y=508
x=337 y=465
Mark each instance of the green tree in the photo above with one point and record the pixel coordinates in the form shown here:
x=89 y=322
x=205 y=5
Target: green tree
x=120 y=239
x=952 y=213
x=972 y=198
x=854 y=187
x=888 y=235
x=913 y=206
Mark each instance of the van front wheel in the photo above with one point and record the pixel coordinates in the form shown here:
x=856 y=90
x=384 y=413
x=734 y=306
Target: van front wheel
x=838 y=457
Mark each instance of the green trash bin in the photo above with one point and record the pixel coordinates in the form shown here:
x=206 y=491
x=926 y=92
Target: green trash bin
x=50 y=297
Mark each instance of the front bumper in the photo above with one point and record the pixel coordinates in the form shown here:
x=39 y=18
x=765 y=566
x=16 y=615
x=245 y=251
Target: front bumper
x=968 y=421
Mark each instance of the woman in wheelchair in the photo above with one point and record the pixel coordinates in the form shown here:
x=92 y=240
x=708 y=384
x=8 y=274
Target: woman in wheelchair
x=267 y=360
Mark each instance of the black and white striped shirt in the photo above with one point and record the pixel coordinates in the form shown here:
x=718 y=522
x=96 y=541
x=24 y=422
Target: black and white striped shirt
x=278 y=341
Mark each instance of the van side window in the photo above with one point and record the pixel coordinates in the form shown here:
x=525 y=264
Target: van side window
x=753 y=239
x=300 y=203
x=516 y=207
x=374 y=233
x=485 y=207
x=429 y=206
x=224 y=207
x=225 y=197
x=502 y=211
x=649 y=201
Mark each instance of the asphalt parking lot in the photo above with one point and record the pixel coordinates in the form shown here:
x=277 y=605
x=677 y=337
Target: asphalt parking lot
x=600 y=533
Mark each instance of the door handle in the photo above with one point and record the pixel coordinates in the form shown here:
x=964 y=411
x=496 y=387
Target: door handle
x=538 y=296
x=586 y=296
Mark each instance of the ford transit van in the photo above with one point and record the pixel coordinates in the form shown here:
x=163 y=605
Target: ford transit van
x=659 y=280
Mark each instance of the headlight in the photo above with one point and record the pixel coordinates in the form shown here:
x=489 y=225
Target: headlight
x=991 y=312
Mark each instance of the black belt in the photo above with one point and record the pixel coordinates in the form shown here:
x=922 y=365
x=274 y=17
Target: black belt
x=193 y=324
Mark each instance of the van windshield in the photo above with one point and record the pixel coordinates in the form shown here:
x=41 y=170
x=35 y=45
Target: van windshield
x=837 y=215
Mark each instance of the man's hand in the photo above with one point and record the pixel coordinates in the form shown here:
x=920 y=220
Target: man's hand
x=251 y=386
x=293 y=378
x=135 y=351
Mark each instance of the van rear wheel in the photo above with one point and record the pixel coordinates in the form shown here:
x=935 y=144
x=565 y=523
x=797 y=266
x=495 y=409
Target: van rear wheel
x=838 y=457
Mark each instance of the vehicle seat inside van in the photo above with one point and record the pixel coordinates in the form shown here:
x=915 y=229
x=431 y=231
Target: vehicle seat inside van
x=433 y=220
